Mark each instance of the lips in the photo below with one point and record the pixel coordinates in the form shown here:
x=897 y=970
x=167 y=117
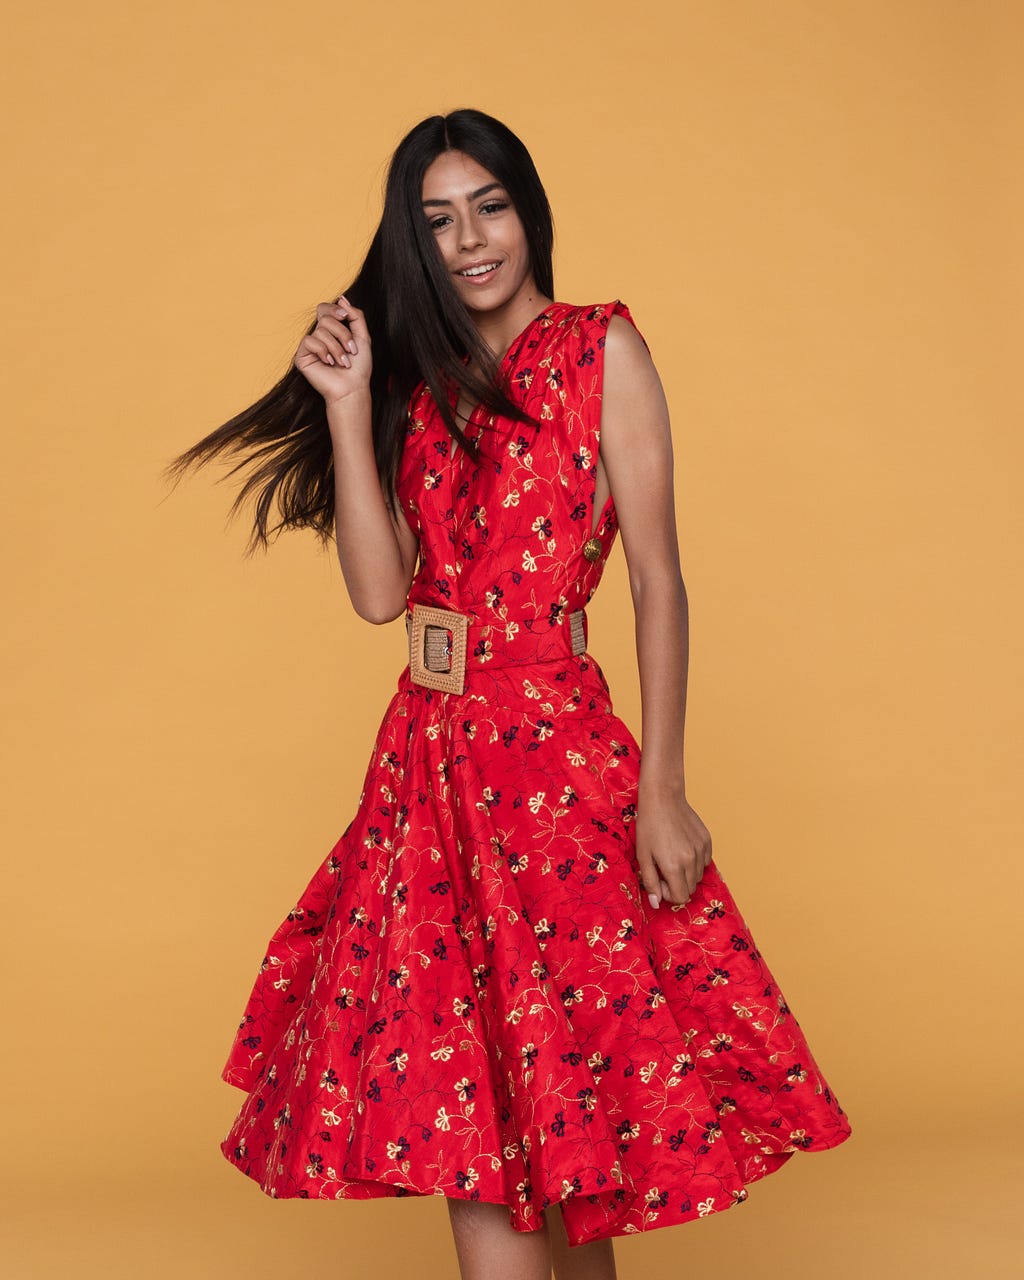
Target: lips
x=476 y=272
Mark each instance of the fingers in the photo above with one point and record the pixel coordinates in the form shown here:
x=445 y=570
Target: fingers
x=665 y=886
x=675 y=885
x=333 y=358
x=703 y=843
x=333 y=334
x=678 y=879
x=673 y=872
x=649 y=880
x=334 y=339
x=355 y=320
x=339 y=330
x=681 y=883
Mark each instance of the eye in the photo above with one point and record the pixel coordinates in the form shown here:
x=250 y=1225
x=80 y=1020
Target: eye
x=494 y=205
x=437 y=223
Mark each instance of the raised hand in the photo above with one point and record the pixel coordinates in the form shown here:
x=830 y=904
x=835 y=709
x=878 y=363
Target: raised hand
x=336 y=357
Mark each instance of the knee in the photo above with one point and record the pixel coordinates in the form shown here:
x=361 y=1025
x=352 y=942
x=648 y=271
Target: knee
x=476 y=1208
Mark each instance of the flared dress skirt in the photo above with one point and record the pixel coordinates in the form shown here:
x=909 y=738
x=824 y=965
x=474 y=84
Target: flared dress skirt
x=473 y=996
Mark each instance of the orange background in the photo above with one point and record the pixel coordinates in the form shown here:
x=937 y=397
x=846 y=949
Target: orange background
x=814 y=212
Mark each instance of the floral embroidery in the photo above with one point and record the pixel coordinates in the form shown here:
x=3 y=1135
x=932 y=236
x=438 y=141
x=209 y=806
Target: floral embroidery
x=472 y=996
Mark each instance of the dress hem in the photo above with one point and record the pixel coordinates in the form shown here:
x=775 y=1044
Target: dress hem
x=394 y=1188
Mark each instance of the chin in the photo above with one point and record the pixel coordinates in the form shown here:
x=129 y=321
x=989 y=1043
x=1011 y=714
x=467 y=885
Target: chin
x=488 y=304
x=493 y=300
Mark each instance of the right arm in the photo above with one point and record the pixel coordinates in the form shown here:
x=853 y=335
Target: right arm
x=376 y=547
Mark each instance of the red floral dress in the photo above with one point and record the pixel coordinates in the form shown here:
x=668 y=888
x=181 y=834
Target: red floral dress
x=473 y=996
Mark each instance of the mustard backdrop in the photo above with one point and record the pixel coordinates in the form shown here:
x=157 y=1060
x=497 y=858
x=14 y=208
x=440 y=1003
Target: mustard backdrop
x=813 y=211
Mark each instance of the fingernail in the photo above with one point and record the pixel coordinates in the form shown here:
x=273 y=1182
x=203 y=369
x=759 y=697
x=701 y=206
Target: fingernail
x=351 y=346
x=655 y=901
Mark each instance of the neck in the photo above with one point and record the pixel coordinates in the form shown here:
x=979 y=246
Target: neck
x=500 y=327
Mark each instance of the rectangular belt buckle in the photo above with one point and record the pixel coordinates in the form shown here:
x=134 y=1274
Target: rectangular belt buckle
x=426 y=615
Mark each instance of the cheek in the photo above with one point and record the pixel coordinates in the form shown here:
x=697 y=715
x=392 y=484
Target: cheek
x=516 y=240
x=445 y=250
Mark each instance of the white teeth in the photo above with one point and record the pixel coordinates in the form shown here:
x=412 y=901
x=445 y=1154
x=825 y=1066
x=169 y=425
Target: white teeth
x=478 y=271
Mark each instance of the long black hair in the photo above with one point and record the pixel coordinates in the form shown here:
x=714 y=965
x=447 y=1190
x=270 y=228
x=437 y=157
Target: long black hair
x=420 y=329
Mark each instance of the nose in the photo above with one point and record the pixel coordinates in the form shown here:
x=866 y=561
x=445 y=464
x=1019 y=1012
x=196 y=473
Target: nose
x=471 y=237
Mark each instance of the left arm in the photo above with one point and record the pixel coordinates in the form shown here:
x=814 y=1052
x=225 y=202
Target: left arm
x=673 y=845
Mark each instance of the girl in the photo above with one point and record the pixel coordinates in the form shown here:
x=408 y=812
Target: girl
x=518 y=979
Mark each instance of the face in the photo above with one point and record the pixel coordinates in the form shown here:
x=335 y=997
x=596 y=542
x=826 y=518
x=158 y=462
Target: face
x=478 y=232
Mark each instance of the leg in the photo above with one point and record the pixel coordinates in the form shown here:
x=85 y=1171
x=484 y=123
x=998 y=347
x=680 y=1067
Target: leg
x=490 y=1248
x=593 y=1261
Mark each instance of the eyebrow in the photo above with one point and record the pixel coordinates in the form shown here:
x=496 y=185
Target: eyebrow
x=473 y=195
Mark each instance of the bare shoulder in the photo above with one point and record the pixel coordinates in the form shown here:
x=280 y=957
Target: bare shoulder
x=624 y=342
x=631 y=381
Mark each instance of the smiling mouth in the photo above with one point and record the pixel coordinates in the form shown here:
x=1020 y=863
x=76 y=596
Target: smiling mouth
x=479 y=273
